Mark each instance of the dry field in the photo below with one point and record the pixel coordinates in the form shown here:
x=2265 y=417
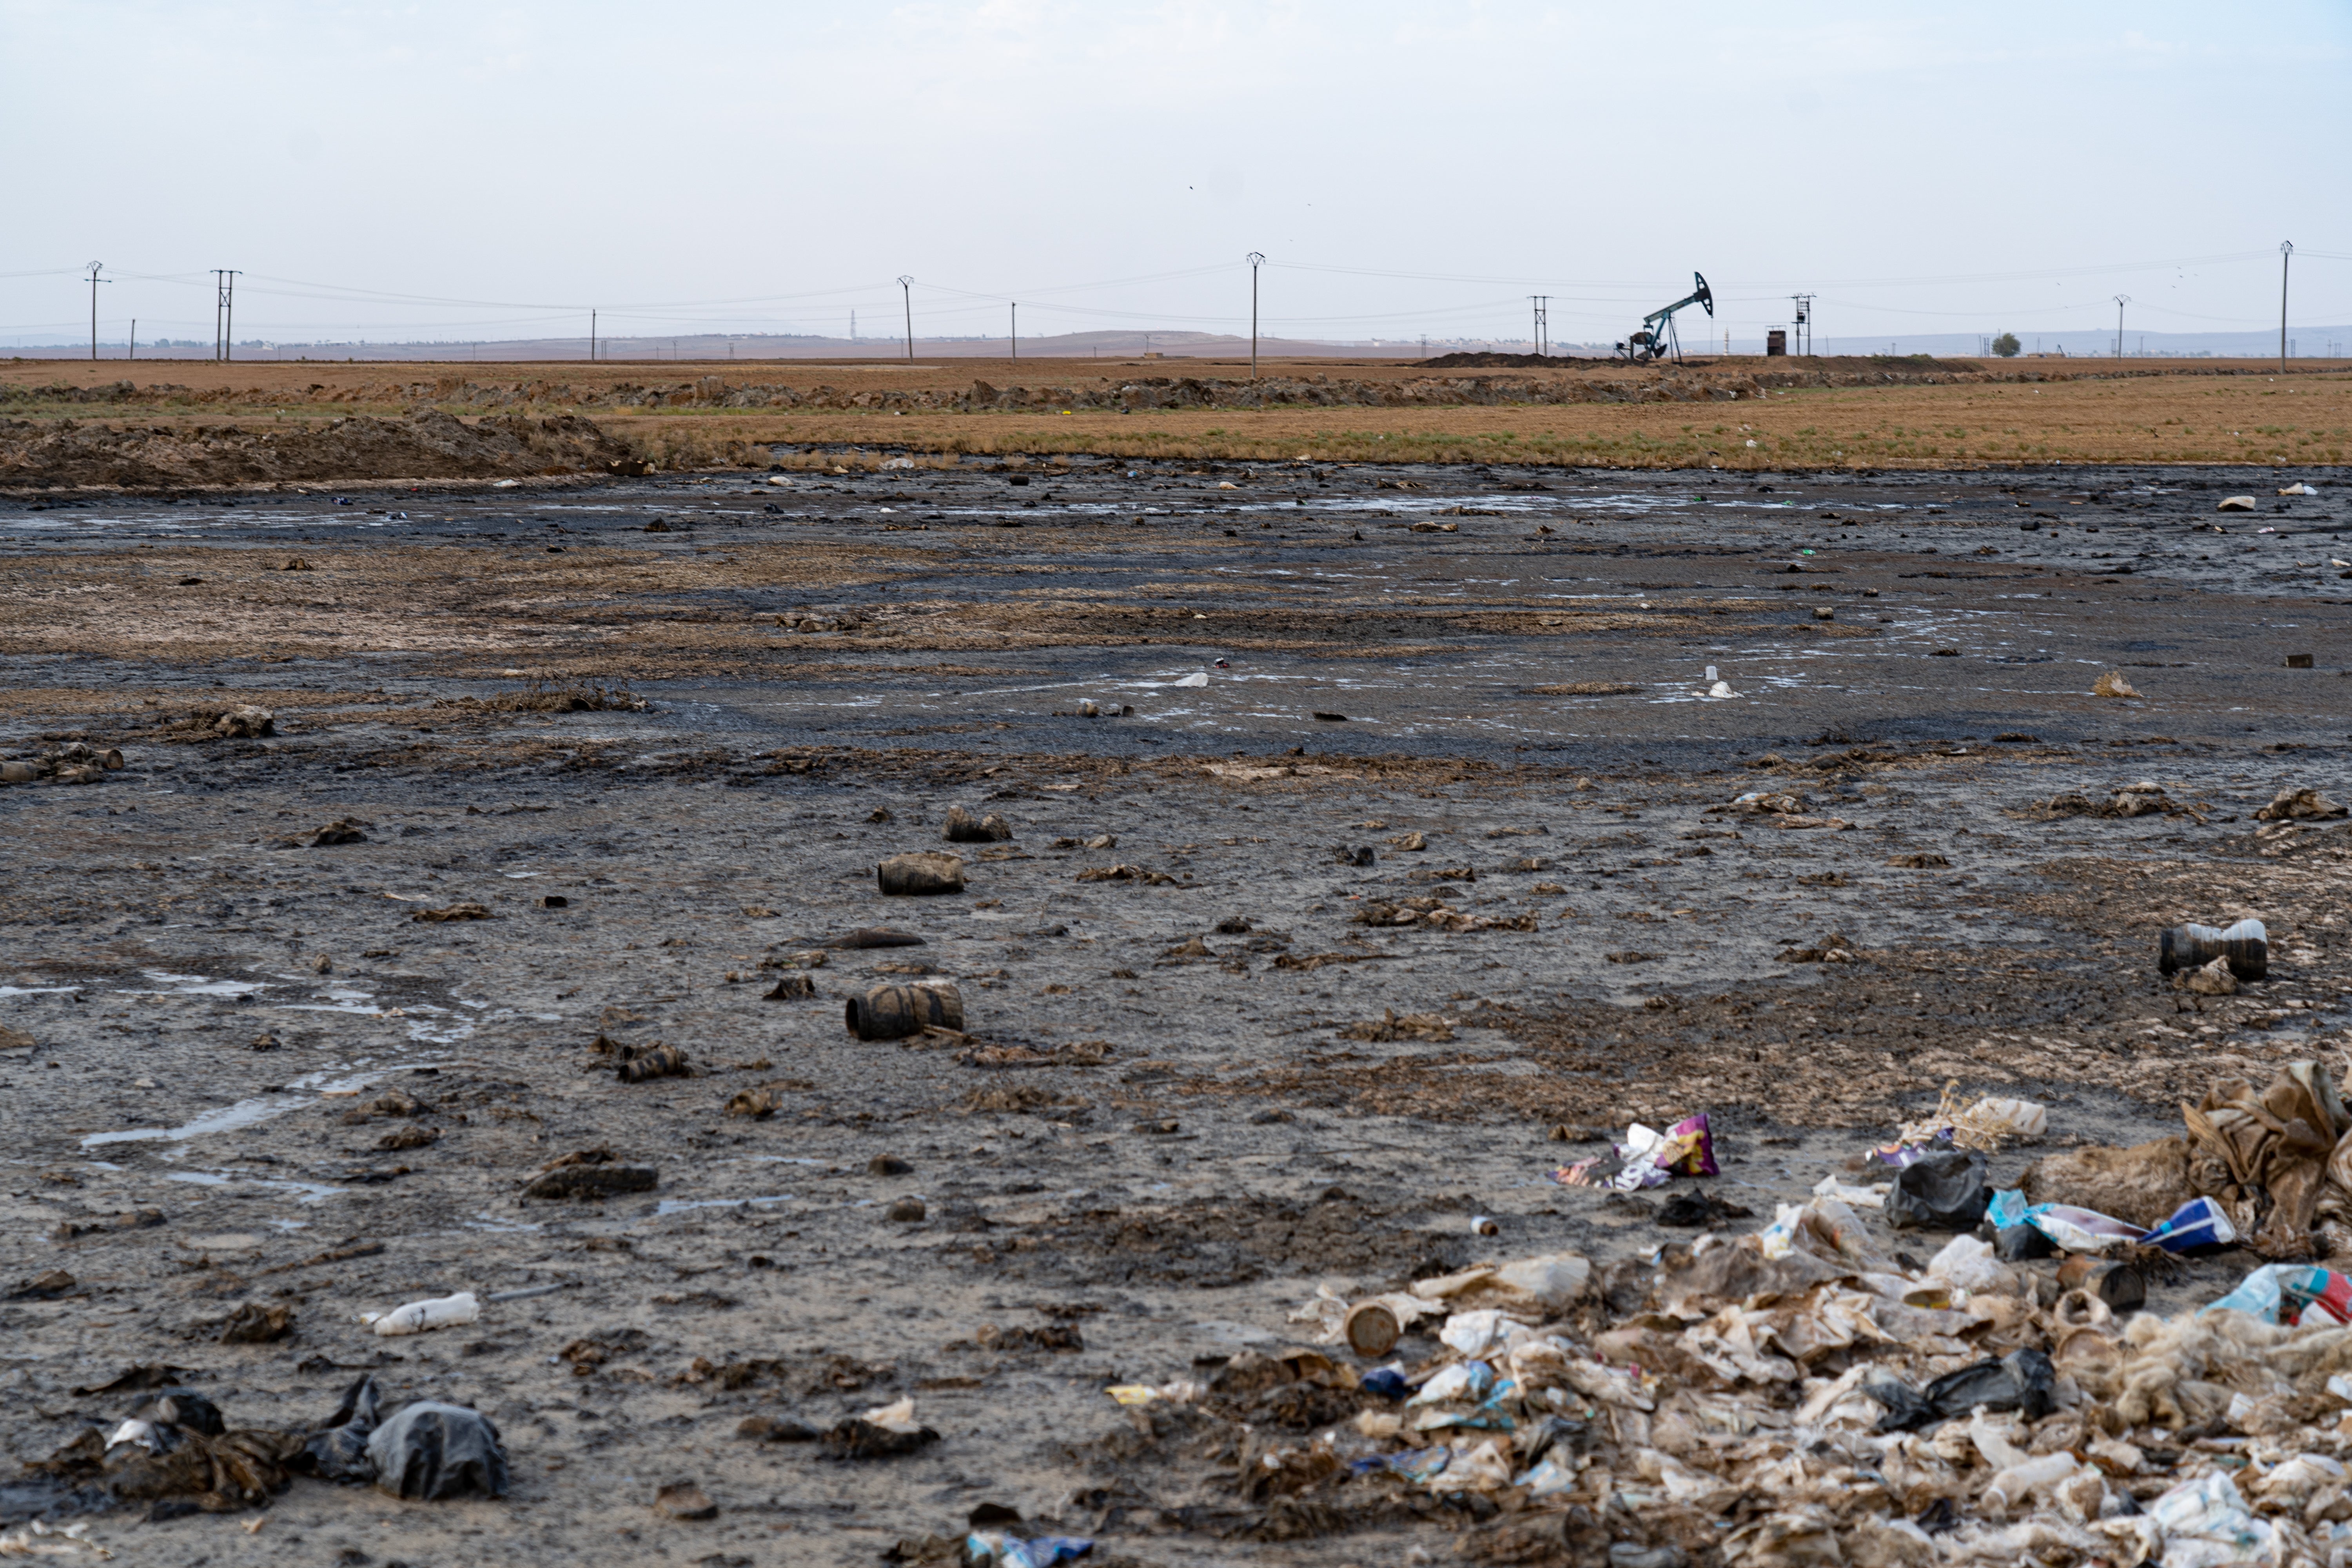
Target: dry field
x=1732 y=414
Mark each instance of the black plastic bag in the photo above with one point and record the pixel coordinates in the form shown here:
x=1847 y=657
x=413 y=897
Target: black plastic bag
x=181 y=1407
x=1942 y=1192
x=1552 y=1432
x=339 y=1449
x=2021 y=1243
x=429 y=1451
x=2022 y=1381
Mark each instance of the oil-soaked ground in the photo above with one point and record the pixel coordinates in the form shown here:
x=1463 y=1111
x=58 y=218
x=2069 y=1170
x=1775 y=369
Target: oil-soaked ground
x=1165 y=1142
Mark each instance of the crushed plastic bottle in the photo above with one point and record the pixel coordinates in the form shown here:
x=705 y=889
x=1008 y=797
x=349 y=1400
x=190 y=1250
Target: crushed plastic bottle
x=435 y=1313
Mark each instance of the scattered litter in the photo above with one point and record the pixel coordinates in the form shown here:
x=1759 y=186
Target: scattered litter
x=2070 y=1228
x=435 y=1312
x=895 y=1012
x=590 y=1173
x=1941 y=1192
x=643 y=1064
x=923 y=873
x=882 y=1433
x=684 y=1499
x=2113 y=684
x=868 y=937
x=429 y=1451
x=994 y=1551
x=1648 y=1158
x=2242 y=950
x=253 y=1324
x=962 y=827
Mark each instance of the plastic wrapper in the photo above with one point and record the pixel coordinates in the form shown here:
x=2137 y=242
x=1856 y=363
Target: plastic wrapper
x=1911 y=1150
x=1969 y=1264
x=1478 y=1334
x=2289 y=1294
x=2070 y=1228
x=2019 y=1118
x=2206 y=1523
x=1463 y=1380
x=992 y=1551
x=1550 y=1475
x=2198 y=1226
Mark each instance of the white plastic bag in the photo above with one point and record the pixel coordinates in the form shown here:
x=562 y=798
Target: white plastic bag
x=2024 y=1118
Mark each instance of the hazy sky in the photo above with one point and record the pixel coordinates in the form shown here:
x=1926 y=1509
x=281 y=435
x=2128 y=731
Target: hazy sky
x=441 y=170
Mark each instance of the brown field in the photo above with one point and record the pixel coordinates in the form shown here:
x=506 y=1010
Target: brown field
x=1728 y=413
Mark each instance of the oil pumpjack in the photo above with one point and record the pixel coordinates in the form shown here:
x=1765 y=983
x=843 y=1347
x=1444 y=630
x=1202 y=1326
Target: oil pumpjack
x=1657 y=338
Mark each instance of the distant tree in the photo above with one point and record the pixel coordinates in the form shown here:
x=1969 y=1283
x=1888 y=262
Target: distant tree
x=2005 y=345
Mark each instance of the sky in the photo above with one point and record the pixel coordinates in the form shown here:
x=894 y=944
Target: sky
x=401 y=172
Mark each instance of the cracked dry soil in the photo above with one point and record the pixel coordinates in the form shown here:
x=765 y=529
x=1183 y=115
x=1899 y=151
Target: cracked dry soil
x=1234 y=1062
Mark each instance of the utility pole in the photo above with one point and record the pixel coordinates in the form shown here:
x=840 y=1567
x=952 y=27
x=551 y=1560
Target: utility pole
x=1542 y=303
x=224 y=312
x=907 y=293
x=1256 y=260
x=95 y=267
x=134 y=338
x=1016 y=329
x=592 y=331
x=2121 y=300
x=2286 y=253
x=1803 y=322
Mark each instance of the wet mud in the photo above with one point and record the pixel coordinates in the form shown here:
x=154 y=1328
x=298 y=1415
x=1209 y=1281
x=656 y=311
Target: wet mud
x=1254 y=999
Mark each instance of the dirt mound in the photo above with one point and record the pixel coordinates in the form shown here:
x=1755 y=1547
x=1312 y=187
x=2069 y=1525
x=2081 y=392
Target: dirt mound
x=429 y=446
x=1486 y=360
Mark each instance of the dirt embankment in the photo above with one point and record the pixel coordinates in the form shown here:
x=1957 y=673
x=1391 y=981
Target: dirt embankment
x=429 y=446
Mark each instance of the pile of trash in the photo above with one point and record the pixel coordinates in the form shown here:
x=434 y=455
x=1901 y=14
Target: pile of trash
x=1808 y=1394
x=176 y=1451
